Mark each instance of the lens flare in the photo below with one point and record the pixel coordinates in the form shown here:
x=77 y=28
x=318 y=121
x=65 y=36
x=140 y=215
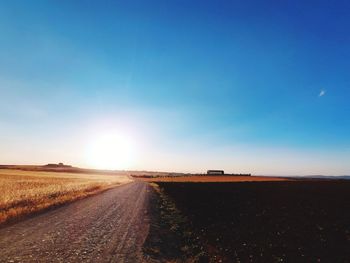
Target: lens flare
x=111 y=151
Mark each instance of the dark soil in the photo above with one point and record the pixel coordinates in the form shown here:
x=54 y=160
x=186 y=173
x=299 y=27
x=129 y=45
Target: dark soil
x=170 y=238
x=300 y=221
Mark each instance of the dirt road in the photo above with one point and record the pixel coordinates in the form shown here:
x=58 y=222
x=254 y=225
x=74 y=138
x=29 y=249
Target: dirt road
x=109 y=227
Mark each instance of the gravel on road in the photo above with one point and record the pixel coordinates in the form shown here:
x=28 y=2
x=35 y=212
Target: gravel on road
x=108 y=227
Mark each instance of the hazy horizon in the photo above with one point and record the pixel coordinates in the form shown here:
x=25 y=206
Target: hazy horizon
x=181 y=86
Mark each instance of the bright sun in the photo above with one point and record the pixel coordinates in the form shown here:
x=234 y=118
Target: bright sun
x=110 y=151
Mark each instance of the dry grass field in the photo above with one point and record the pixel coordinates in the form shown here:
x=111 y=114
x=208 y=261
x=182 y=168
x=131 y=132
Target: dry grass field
x=25 y=192
x=213 y=179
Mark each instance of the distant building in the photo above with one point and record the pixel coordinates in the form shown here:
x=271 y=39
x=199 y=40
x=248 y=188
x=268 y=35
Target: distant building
x=215 y=172
x=59 y=165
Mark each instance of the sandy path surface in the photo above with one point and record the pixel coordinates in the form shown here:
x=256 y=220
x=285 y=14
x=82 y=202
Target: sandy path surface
x=108 y=227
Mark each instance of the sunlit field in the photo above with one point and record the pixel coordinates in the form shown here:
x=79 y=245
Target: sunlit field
x=25 y=192
x=207 y=179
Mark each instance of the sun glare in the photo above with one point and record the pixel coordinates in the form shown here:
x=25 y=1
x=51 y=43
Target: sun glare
x=110 y=151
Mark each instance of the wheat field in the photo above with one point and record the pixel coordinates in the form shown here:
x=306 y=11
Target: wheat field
x=25 y=192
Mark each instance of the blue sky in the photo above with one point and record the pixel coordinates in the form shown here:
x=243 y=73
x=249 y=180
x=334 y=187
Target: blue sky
x=238 y=85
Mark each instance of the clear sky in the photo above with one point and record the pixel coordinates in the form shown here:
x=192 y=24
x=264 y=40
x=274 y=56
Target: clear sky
x=245 y=86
